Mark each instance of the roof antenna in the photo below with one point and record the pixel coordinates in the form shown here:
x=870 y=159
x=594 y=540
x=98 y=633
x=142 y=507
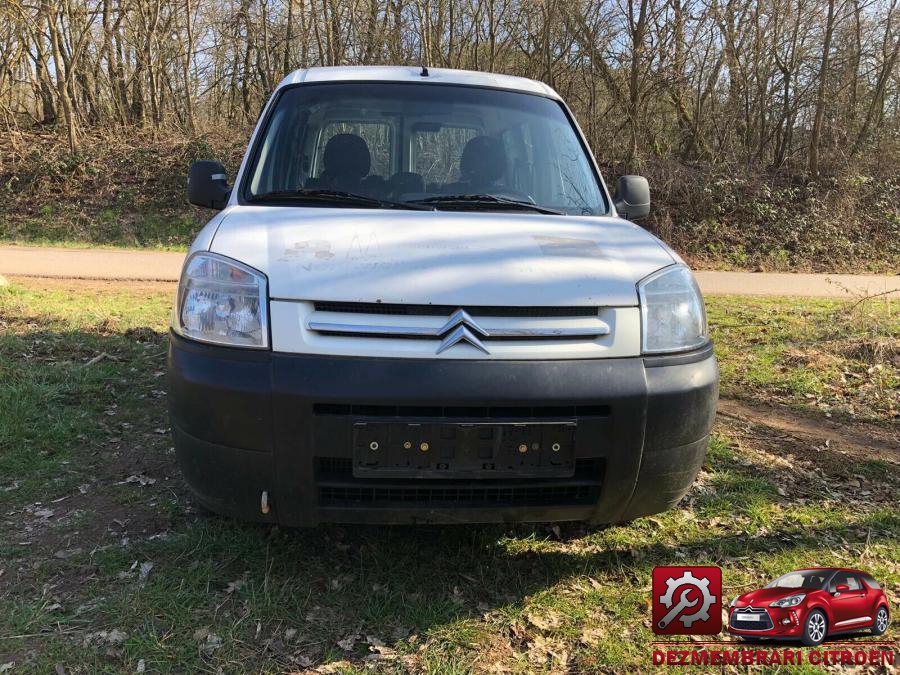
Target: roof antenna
x=424 y=72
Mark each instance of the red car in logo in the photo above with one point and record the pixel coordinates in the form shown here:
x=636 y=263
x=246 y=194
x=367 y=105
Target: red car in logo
x=809 y=605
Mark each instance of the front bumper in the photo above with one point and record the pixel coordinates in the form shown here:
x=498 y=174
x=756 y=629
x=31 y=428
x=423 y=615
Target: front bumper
x=775 y=627
x=247 y=422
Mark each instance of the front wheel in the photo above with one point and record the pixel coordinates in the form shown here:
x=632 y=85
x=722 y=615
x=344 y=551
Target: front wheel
x=881 y=621
x=815 y=629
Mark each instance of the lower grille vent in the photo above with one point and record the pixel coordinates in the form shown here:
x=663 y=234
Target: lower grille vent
x=338 y=487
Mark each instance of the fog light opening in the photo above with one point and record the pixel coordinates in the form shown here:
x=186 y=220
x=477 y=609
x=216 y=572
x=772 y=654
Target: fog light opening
x=785 y=621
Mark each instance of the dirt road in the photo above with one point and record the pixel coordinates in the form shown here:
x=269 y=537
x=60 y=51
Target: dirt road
x=126 y=265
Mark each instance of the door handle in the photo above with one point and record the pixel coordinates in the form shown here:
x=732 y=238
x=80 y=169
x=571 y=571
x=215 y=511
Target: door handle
x=862 y=595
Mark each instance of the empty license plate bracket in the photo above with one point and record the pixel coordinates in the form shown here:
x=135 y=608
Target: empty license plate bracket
x=464 y=449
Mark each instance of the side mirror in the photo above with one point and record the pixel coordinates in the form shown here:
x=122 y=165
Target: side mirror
x=208 y=185
x=842 y=588
x=632 y=197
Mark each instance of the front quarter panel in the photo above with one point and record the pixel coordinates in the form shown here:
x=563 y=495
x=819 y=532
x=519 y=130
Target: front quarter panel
x=822 y=603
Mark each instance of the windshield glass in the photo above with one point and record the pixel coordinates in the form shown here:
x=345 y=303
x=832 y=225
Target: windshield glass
x=424 y=143
x=801 y=579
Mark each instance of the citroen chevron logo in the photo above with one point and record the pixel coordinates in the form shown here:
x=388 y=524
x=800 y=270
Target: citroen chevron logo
x=461 y=327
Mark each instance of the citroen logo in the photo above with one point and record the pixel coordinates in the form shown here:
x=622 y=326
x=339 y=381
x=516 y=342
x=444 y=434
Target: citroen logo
x=461 y=327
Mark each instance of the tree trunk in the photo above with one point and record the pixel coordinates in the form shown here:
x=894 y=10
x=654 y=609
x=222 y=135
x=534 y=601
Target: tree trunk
x=812 y=164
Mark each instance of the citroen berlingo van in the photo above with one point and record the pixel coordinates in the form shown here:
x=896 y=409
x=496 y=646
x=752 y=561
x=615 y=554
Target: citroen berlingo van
x=419 y=303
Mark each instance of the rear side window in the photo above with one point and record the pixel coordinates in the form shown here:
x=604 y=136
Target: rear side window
x=870 y=582
x=436 y=150
x=377 y=136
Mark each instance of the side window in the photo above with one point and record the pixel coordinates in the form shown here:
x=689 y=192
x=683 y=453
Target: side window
x=377 y=135
x=276 y=169
x=436 y=149
x=571 y=176
x=847 y=578
x=870 y=582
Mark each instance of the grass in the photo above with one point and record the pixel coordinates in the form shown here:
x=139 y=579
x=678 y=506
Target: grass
x=44 y=240
x=113 y=228
x=832 y=356
x=221 y=596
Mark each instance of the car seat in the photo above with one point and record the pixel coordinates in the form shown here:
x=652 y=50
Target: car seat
x=346 y=162
x=481 y=166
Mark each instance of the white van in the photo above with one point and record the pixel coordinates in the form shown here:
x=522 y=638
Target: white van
x=419 y=303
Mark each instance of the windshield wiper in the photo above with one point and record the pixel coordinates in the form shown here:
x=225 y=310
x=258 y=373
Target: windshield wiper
x=486 y=202
x=333 y=197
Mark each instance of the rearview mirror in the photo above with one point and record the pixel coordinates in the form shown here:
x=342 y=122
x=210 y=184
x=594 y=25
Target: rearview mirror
x=208 y=185
x=632 y=197
x=842 y=588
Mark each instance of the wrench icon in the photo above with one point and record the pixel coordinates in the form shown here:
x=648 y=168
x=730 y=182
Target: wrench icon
x=676 y=610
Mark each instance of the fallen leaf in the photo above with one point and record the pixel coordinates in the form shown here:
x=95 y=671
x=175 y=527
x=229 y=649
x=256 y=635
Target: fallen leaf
x=115 y=636
x=348 y=643
x=138 y=479
x=212 y=643
x=145 y=571
x=235 y=586
x=547 y=621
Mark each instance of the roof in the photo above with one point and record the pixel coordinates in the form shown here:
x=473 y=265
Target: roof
x=414 y=74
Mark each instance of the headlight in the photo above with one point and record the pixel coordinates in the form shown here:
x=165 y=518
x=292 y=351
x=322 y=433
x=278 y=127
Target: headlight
x=789 y=601
x=221 y=301
x=672 y=313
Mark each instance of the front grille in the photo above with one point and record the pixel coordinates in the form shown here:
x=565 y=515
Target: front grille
x=764 y=622
x=344 y=332
x=455 y=413
x=337 y=487
x=447 y=310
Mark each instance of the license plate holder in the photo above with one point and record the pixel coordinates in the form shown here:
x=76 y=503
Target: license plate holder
x=481 y=450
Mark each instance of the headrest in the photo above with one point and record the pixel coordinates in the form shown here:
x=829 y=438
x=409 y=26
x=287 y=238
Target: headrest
x=347 y=155
x=483 y=159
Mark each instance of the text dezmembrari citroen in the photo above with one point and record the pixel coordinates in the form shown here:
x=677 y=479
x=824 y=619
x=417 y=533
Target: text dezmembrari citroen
x=418 y=302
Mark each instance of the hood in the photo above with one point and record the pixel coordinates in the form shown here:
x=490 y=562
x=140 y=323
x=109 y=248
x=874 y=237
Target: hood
x=440 y=257
x=762 y=597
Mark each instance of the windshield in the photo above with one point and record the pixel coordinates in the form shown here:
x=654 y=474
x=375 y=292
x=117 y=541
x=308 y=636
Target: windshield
x=801 y=579
x=427 y=144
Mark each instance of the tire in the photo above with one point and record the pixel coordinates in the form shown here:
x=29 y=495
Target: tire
x=881 y=621
x=815 y=629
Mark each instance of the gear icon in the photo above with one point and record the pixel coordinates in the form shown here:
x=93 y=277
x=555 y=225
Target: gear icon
x=688 y=579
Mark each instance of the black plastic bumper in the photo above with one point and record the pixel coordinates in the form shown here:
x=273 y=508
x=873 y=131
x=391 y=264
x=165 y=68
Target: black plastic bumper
x=248 y=422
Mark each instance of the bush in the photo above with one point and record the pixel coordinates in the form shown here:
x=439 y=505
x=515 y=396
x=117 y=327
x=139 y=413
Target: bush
x=129 y=189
